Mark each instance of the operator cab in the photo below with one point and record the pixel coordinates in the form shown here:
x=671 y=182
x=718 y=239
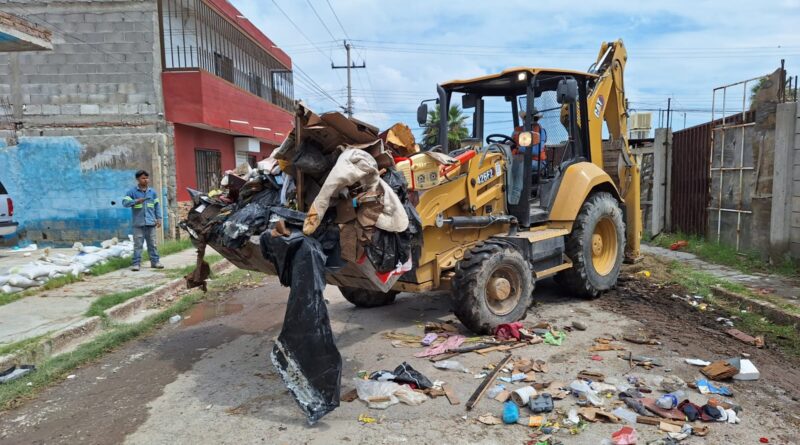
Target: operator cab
x=508 y=101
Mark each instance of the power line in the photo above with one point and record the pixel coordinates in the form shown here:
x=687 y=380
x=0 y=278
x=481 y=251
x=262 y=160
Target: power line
x=314 y=10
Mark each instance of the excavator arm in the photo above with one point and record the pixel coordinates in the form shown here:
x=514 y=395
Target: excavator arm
x=606 y=102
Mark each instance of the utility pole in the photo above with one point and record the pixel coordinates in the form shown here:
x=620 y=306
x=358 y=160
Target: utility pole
x=350 y=65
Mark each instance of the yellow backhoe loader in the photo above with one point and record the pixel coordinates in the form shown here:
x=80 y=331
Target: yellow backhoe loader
x=578 y=215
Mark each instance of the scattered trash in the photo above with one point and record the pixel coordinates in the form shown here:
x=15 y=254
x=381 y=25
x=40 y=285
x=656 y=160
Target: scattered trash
x=541 y=404
x=476 y=396
x=625 y=414
x=429 y=338
x=497 y=389
x=514 y=378
x=697 y=362
x=726 y=322
x=15 y=372
x=451 y=365
x=640 y=339
x=365 y=419
x=678 y=245
x=531 y=421
x=644 y=273
x=706 y=387
x=452 y=342
x=71 y=376
x=508 y=331
x=747 y=370
x=554 y=339
x=175 y=318
x=521 y=396
x=672 y=383
x=489 y=419
x=747 y=339
x=719 y=370
x=510 y=412
x=625 y=436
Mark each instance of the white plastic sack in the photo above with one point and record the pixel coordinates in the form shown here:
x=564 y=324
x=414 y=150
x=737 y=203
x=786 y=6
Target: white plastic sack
x=109 y=242
x=4 y=279
x=34 y=271
x=371 y=389
x=23 y=282
x=8 y=289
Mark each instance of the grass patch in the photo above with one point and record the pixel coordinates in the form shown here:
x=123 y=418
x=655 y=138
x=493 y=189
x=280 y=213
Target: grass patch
x=28 y=343
x=718 y=253
x=177 y=273
x=787 y=338
x=14 y=393
x=107 y=301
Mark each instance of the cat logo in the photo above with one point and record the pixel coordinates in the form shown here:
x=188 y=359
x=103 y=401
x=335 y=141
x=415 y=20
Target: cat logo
x=598 y=106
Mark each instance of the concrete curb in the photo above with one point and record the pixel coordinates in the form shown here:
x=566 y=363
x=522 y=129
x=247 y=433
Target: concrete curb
x=128 y=309
x=71 y=337
x=765 y=308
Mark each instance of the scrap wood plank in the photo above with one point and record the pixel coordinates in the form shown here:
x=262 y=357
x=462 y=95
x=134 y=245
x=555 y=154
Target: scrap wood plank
x=451 y=395
x=487 y=381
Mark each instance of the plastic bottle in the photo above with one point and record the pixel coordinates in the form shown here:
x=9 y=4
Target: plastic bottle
x=670 y=400
x=451 y=365
x=510 y=412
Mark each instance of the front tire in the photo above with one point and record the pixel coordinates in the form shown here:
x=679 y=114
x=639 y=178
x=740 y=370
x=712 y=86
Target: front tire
x=367 y=298
x=493 y=284
x=596 y=247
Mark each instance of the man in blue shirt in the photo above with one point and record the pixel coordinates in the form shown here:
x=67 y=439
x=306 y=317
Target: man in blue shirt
x=146 y=218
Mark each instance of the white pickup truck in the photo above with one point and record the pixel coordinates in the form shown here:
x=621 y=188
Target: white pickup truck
x=7 y=225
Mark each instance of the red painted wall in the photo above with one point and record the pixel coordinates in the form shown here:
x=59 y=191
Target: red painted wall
x=198 y=97
x=188 y=139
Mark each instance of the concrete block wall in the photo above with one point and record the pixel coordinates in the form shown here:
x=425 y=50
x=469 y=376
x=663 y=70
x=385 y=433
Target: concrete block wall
x=794 y=236
x=68 y=189
x=92 y=114
x=104 y=66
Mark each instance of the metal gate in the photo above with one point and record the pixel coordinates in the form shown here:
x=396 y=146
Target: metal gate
x=730 y=198
x=689 y=192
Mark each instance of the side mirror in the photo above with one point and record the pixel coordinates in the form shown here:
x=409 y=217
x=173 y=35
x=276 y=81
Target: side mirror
x=469 y=101
x=567 y=91
x=422 y=114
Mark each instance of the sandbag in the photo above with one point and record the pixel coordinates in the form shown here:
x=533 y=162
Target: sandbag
x=21 y=282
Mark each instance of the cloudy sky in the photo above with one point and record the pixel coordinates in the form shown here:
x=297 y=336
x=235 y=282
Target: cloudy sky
x=678 y=49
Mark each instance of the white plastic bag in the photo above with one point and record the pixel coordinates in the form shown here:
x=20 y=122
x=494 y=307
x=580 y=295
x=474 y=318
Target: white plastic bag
x=8 y=289
x=23 y=282
x=369 y=390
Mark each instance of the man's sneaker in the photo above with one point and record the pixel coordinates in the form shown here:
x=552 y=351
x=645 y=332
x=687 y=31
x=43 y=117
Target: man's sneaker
x=135 y=268
x=157 y=266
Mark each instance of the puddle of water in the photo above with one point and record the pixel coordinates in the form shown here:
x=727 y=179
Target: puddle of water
x=208 y=310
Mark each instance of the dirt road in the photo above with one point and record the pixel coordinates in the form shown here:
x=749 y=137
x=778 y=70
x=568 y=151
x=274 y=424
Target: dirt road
x=209 y=380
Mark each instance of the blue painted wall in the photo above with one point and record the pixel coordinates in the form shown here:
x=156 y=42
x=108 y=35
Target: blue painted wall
x=55 y=200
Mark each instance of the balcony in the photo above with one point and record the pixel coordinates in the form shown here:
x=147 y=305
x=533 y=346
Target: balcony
x=211 y=35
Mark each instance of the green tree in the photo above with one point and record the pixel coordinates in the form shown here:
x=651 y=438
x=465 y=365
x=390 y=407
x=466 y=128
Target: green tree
x=456 y=127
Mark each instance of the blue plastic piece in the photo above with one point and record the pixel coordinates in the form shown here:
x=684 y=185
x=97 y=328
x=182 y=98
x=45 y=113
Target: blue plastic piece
x=510 y=412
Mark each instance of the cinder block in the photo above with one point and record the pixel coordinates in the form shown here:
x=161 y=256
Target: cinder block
x=84 y=28
x=129 y=109
x=98 y=98
x=71 y=109
x=147 y=109
x=45 y=68
x=38 y=99
x=105 y=26
x=50 y=110
x=137 y=98
x=32 y=110
x=109 y=109
x=90 y=109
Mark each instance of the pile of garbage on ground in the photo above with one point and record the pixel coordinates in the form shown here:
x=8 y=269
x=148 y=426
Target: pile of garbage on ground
x=49 y=266
x=328 y=200
x=518 y=390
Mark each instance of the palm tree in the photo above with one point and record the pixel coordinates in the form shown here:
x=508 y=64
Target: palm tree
x=456 y=129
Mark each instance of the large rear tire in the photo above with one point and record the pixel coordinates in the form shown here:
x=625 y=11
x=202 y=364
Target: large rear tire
x=367 y=298
x=596 y=247
x=493 y=284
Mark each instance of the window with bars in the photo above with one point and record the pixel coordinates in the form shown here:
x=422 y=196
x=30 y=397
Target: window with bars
x=208 y=167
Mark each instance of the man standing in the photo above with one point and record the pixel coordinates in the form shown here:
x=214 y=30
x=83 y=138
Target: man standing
x=146 y=218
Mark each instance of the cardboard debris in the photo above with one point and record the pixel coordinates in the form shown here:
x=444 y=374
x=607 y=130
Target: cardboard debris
x=349 y=396
x=669 y=427
x=719 y=370
x=503 y=396
x=593 y=414
x=591 y=375
x=400 y=139
x=651 y=406
x=451 y=395
x=489 y=419
x=446 y=328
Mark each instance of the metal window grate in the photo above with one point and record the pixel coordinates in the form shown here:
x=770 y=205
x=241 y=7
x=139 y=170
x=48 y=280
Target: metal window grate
x=208 y=166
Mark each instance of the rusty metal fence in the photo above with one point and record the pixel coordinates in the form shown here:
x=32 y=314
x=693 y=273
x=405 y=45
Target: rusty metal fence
x=689 y=194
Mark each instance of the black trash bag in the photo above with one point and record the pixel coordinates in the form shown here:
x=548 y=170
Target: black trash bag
x=248 y=220
x=406 y=374
x=387 y=249
x=309 y=159
x=305 y=353
x=397 y=182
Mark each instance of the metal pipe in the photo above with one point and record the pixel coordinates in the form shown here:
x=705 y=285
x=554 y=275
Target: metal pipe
x=741 y=171
x=721 y=164
x=444 y=109
x=474 y=222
